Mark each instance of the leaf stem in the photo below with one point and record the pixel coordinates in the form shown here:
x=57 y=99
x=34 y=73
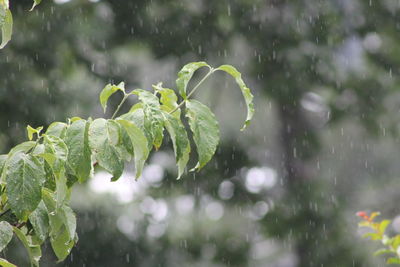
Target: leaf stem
x=193 y=90
x=120 y=105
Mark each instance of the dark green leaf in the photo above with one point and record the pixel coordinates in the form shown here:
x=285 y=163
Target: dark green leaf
x=79 y=156
x=25 y=176
x=40 y=221
x=205 y=130
x=248 y=97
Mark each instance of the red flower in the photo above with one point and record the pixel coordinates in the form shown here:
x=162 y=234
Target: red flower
x=363 y=215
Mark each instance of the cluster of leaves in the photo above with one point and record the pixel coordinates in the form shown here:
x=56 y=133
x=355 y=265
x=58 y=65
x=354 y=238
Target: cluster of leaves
x=377 y=233
x=6 y=20
x=36 y=176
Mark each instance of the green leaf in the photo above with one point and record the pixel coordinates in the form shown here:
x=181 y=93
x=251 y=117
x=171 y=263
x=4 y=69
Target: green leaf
x=108 y=91
x=139 y=143
x=34 y=251
x=56 y=147
x=6 y=234
x=3 y=159
x=35 y=3
x=383 y=225
x=70 y=221
x=185 y=74
x=57 y=129
x=5 y=263
x=62 y=225
x=180 y=141
x=168 y=99
x=153 y=115
x=31 y=131
x=103 y=139
x=24 y=148
x=393 y=261
x=79 y=156
x=40 y=221
x=248 y=97
x=62 y=244
x=205 y=130
x=373 y=236
x=25 y=176
x=6 y=24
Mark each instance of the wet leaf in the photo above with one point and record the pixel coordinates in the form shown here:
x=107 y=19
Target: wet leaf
x=248 y=97
x=139 y=143
x=185 y=74
x=79 y=156
x=104 y=136
x=25 y=176
x=6 y=234
x=205 y=130
x=180 y=141
x=108 y=91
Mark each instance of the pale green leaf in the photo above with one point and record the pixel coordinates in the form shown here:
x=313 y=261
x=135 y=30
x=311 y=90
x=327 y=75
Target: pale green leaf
x=70 y=221
x=383 y=225
x=6 y=234
x=79 y=156
x=6 y=28
x=393 y=261
x=31 y=131
x=3 y=159
x=108 y=91
x=153 y=115
x=139 y=143
x=25 y=176
x=204 y=127
x=34 y=251
x=40 y=221
x=57 y=129
x=103 y=139
x=248 y=97
x=5 y=263
x=185 y=74
x=56 y=146
x=180 y=141
x=168 y=99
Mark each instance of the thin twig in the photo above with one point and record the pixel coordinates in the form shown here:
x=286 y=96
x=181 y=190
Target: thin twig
x=193 y=90
x=120 y=105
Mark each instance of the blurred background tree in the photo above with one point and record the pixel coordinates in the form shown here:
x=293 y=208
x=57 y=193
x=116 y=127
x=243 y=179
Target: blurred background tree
x=284 y=192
